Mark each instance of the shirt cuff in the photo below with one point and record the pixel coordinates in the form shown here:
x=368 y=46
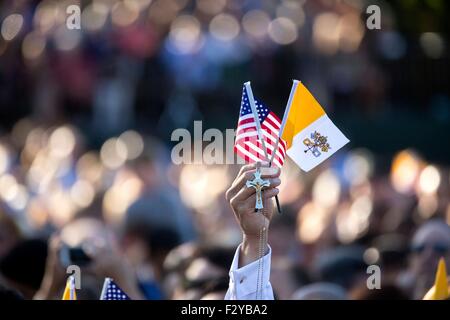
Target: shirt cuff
x=244 y=280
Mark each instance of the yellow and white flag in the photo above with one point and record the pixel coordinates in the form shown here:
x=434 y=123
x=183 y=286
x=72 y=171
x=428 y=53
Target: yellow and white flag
x=311 y=136
x=70 y=291
x=441 y=288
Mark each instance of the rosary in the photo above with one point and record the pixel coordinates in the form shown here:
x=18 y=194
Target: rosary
x=258 y=183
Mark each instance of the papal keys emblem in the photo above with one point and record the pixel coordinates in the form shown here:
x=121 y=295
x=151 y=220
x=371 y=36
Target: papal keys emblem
x=317 y=144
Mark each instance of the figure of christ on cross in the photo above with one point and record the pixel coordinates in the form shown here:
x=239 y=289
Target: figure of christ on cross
x=258 y=183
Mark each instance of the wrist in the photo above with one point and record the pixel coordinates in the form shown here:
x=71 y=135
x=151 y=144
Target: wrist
x=251 y=249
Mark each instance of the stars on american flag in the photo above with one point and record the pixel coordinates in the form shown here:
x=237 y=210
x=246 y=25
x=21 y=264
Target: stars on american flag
x=111 y=291
x=262 y=110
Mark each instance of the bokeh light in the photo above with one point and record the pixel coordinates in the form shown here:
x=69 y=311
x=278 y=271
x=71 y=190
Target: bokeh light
x=94 y=16
x=326 y=189
x=354 y=222
x=82 y=193
x=125 y=13
x=358 y=166
x=113 y=153
x=326 y=33
x=133 y=142
x=62 y=142
x=283 y=31
x=311 y=222
x=429 y=180
x=432 y=44
x=33 y=46
x=126 y=188
x=256 y=23
x=404 y=171
x=4 y=159
x=11 y=26
x=211 y=7
x=201 y=185
x=224 y=27
x=185 y=34
x=292 y=10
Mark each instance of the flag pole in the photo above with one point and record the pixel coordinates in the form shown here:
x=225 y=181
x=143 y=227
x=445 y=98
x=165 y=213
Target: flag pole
x=259 y=131
x=286 y=113
x=105 y=288
x=256 y=116
x=72 y=287
x=280 y=132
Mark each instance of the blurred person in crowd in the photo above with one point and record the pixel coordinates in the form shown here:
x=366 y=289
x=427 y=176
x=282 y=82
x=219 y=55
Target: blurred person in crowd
x=392 y=250
x=146 y=246
x=9 y=233
x=23 y=267
x=206 y=273
x=215 y=289
x=430 y=242
x=286 y=273
x=175 y=265
x=282 y=235
x=344 y=266
x=156 y=222
x=287 y=277
x=387 y=291
x=160 y=203
x=320 y=291
x=105 y=260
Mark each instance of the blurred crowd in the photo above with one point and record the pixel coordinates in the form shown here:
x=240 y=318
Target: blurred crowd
x=165 y=231
x=85 y=123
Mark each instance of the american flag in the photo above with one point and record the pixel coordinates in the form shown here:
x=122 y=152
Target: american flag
x=247 y=144
x=111 y=291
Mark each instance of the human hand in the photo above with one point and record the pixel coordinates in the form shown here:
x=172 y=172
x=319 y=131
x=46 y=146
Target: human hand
x=108 y=262
x=242 y=201
x=54 y=275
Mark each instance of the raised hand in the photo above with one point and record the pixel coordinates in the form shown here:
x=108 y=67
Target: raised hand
x=242 y=200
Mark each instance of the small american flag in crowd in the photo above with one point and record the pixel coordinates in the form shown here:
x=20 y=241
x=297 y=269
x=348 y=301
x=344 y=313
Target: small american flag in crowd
x=247 y=144
x=111 y=291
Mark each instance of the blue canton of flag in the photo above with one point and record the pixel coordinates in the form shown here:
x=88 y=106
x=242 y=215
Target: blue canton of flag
x=111 y=291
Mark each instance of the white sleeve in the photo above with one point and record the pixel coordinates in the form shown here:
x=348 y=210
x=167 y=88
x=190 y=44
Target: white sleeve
x=243 y=281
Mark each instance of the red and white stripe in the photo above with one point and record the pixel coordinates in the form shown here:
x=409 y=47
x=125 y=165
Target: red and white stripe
x=248 y=146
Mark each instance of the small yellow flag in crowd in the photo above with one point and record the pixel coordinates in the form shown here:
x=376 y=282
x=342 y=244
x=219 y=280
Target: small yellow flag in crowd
x=440 y=290
x=69 y=291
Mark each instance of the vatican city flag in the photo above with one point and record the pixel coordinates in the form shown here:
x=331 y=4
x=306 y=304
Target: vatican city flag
x=440 y=290
x=69 y=291
x=311 y=137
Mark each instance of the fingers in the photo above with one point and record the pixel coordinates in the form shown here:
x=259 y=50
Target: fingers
x=246 y=192
x=54 y=245
x=249 y=202
x=252 y=166
x=267 y=195
x=247 y=173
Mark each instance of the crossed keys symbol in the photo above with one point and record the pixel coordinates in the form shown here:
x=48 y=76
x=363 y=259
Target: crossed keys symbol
x=318 y=142
x=258 y=183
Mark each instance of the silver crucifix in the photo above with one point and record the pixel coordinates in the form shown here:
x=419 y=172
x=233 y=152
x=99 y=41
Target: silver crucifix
x=258 y=184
